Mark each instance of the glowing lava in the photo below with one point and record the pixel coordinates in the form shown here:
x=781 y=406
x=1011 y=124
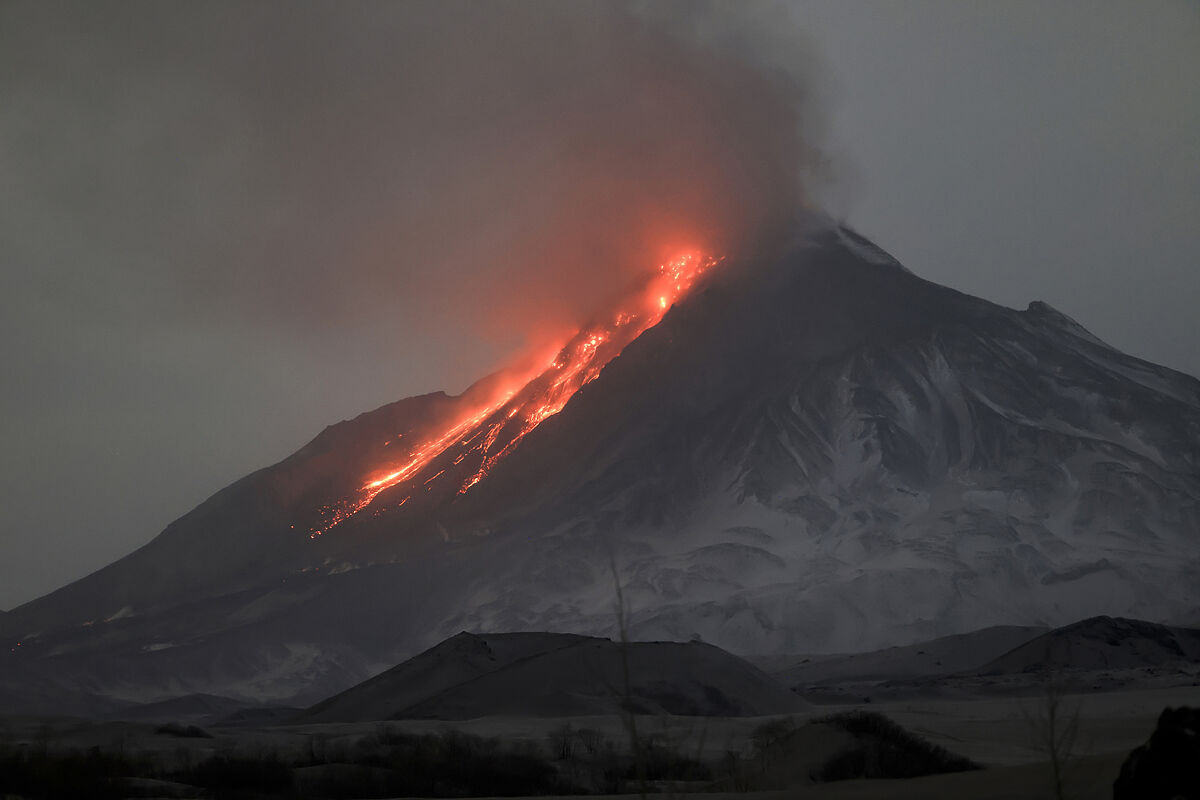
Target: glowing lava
x=468 y=449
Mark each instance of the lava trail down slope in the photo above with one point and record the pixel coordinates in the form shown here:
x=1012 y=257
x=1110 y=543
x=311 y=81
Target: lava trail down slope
x=808 y=449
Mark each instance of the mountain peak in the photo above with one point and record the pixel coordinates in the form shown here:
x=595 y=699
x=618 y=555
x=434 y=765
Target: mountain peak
x=815 y=451
x=1047 y=313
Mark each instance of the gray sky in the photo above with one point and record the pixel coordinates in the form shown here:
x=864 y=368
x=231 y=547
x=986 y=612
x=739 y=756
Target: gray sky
x=223 y=227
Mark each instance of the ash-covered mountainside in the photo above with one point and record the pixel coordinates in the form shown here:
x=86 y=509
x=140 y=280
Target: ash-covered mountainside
x=816 y=451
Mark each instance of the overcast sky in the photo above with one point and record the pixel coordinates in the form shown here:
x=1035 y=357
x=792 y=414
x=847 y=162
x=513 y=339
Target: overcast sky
x=223 y=227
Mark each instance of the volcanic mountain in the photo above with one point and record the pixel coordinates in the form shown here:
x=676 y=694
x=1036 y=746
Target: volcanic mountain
x=807 y=450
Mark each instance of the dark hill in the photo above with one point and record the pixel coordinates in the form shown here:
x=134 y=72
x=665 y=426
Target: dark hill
x=556 y=675
x=1101 y=643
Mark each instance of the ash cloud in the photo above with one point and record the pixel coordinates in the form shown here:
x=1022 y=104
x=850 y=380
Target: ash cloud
x=495 y=164
x=225 y=225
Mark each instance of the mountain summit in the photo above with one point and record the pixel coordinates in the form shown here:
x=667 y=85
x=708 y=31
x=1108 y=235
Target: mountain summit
x=810 y=451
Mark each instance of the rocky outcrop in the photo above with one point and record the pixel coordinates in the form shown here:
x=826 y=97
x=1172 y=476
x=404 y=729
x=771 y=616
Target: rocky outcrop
x=1168 y=766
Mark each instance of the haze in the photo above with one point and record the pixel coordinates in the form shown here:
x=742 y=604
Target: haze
x=225 y=227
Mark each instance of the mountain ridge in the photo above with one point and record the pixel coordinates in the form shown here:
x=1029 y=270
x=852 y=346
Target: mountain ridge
x=816 y=451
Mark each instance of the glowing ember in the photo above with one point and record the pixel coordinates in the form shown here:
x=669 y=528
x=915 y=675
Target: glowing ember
x=468 y=449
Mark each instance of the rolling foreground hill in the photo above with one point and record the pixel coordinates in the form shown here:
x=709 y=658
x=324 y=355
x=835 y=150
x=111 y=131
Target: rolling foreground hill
x=1092 y=655
x=812 y=450
x=1101 y=643
x=942 y=656
x=559 y=675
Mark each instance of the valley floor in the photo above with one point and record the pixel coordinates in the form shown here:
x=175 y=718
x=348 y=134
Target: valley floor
x=1088 y=778
x=992 y=731
x=995 y=732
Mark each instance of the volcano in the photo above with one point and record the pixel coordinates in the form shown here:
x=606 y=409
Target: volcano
x=807 y=450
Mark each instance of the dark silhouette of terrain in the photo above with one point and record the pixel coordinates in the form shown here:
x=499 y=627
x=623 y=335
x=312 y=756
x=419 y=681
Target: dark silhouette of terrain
x=559 y=675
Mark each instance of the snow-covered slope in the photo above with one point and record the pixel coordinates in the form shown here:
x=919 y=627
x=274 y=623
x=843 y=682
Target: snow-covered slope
x=815 y=451
x=837 y=455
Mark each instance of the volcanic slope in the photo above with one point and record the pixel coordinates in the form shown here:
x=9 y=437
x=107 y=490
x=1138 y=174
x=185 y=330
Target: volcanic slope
x=961 y=652
x=1099 y=654
x=814 y=450
x=1101 y=643
x=557 y=675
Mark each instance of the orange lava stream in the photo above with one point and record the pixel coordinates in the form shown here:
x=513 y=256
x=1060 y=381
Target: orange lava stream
x=486 y=434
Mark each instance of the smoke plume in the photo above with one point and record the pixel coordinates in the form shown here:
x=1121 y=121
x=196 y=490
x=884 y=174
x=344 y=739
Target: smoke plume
x=501 y=165
x=227 y=224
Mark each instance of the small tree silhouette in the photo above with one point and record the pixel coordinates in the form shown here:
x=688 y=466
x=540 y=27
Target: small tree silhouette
x=628 y=715
x=1053 y=719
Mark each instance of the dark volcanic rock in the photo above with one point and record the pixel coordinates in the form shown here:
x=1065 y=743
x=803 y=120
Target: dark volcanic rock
x=1168 y=766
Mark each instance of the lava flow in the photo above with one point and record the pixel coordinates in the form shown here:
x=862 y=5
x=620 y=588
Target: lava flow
x=469 y=448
